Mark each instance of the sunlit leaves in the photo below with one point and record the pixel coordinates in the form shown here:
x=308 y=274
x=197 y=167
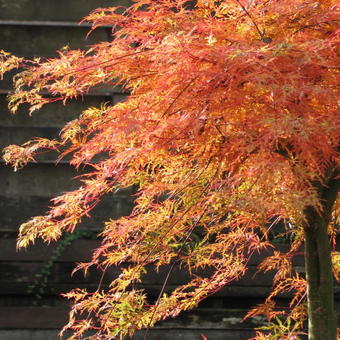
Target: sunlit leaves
x=232 y=118
x=19 y=156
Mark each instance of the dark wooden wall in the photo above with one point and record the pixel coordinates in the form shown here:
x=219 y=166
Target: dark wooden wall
x=29 y=308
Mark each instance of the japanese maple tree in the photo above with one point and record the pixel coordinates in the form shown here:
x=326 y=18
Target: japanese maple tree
x=230 y=130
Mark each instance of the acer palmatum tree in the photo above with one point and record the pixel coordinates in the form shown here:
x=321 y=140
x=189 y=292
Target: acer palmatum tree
x=231 y=126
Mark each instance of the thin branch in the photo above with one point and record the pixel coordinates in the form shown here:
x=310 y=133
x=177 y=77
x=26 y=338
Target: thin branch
x=178 y=95
x=252 y=20
x=169 y=273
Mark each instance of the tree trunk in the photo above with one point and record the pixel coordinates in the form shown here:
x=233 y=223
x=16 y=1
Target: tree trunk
x=320 y=286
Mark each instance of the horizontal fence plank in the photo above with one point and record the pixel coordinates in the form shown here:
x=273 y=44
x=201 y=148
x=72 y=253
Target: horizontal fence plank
x=154 y=334
x=80 y=250
x=42 y=23
x=18 y=276
x=195 y=334
x=247 y=292
x=29 y=334
x=54 y=115
x=17 y=209
x=45 y=180
x=33 y=317
x=109 y=89
x=231 y=291
x=42 y=318
x=37 y=41
x=19 y=135
x=56 y=317
x=52 y=10
x=24 y=272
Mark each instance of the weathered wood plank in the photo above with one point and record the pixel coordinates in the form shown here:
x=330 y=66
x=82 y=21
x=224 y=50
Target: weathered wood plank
x=248 y=292
x=44 y=23
x=52 y=10
x=51 y=115
x=44 y=180
x=19 y=135
x=159 y=334
x=37 y=41
x=33 y=317
x=56 y=317
x=81 y=250
x=18 y=208
x=60 y=273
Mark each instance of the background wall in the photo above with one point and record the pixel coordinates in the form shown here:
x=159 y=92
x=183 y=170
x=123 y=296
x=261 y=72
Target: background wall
x=31 y=281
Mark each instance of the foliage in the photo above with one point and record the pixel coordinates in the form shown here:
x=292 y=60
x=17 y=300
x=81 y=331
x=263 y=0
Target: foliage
x=231 y=120
x=39 y=284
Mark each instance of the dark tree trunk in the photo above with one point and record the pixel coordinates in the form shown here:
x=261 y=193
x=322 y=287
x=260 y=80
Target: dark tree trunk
x=320 y=286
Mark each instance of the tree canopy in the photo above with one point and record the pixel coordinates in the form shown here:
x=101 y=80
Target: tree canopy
x=230 y=129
